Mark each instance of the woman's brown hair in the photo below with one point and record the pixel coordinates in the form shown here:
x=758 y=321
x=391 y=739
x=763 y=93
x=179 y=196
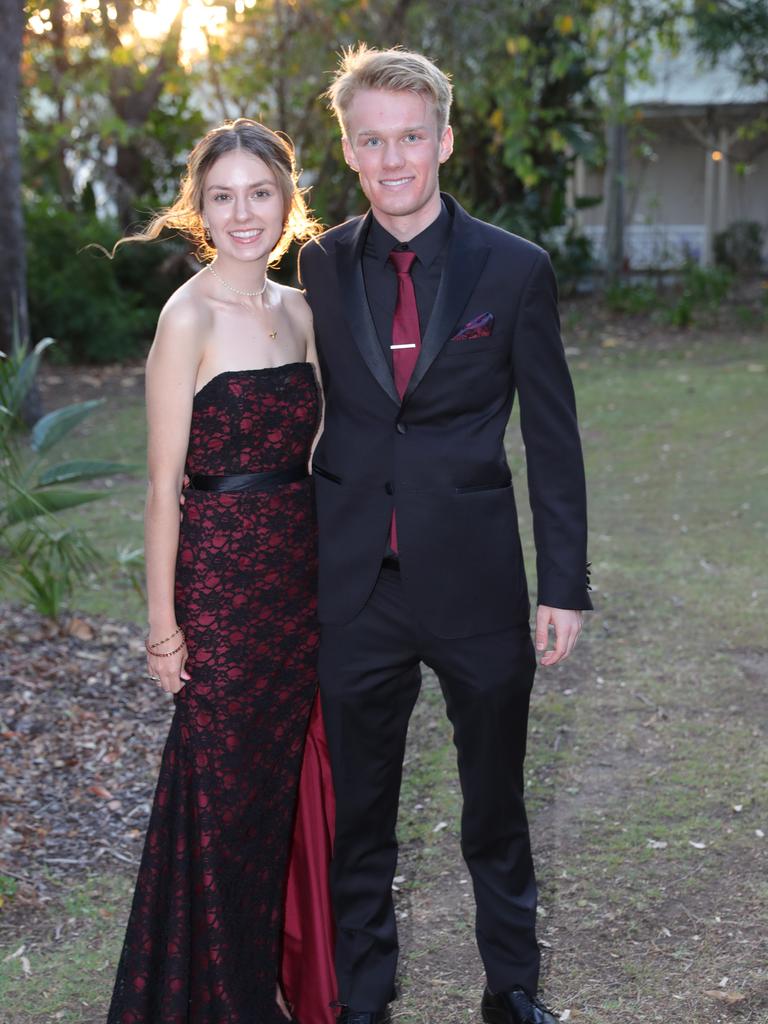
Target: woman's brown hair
x=186 y=213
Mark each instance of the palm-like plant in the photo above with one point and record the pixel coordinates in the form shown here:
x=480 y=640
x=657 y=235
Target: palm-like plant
x=36 y=553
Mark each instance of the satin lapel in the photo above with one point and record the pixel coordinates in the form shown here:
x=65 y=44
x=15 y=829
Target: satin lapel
x=464 y=263
x=349 y=265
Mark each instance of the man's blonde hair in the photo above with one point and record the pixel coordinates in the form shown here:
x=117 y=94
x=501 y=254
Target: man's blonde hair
x=397 y=70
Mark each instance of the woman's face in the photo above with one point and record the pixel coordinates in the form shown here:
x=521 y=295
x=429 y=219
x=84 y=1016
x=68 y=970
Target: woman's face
x=242 y=206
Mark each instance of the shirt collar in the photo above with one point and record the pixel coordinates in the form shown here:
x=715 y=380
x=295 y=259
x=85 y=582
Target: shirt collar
x=427 y=245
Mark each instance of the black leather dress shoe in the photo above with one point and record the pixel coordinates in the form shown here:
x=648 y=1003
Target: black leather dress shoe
x=349 y=1016
x=515 y=1007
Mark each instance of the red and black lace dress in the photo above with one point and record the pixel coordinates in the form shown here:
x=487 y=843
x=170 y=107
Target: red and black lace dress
x=204 y=938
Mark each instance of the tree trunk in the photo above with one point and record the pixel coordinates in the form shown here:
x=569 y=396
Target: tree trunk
x=59 y=69
x=614 y=219
x=14 y=323
x=616 y=143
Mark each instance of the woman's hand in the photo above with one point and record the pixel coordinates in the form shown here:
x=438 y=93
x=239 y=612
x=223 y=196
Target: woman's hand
x=167 y=666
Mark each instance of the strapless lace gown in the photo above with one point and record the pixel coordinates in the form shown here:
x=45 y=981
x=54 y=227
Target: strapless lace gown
x=205 y=936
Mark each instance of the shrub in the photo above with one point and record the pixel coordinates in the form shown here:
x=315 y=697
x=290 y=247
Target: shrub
x=698 y=291
x=707 y=286
x=99 y=310
x=740 y=247
x=573 y=260
x=703 y=290
x=631 y=298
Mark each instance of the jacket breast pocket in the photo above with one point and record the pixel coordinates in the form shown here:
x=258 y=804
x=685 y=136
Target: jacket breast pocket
x=473 y=347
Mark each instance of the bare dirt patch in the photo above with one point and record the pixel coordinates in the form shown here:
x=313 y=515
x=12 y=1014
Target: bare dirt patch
x=63 y=384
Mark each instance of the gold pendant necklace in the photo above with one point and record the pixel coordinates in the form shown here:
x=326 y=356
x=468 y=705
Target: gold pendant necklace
x=272 y=335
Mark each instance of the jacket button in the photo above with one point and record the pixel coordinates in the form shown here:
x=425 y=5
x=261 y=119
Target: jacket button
x=401 y=428
x=389 y=488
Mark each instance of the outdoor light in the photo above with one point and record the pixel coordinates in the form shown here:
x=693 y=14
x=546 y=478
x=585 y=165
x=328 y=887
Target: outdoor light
x=717 y=155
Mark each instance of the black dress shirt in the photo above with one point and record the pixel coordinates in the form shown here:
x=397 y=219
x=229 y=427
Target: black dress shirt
x=381 y=279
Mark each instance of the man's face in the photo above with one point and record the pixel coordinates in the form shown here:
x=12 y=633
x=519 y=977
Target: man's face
x=393 y=143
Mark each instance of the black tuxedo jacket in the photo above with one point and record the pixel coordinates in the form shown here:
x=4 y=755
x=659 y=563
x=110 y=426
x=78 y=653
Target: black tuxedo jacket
x=438 y=456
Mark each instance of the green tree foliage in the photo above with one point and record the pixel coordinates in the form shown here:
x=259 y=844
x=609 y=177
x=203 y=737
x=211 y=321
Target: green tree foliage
x=735 y=31
x=109 y=116
x=125 y=110
x=106 y=116
x=104 y=105
x=524 y=108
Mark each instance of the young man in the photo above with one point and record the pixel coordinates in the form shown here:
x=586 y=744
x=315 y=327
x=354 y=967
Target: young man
x=427 y=322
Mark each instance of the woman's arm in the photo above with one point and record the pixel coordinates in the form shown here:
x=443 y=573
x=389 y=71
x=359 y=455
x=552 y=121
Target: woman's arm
x=172 y=368
x=308 y=328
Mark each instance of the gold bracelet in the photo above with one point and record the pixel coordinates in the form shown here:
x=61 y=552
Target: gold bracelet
x=159 y=643
x=167 y=654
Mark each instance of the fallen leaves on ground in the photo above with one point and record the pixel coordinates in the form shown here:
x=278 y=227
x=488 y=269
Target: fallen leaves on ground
x=81 y=732
x=730 y=998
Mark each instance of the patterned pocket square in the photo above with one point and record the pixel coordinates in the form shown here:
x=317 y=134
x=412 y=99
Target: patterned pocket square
x=479 y=327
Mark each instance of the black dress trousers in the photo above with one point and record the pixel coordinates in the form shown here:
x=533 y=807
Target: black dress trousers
x=370 y=679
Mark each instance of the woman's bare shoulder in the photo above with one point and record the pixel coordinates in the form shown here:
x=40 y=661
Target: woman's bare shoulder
x=296 y=304
x=186 y=317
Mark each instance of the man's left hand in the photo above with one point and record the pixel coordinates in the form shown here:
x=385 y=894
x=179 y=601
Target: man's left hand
x=567 y=625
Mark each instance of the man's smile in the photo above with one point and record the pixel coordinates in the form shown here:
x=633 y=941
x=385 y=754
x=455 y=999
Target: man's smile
x=395 y=182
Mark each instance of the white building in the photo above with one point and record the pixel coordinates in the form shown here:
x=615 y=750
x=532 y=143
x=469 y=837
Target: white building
x=690 y=172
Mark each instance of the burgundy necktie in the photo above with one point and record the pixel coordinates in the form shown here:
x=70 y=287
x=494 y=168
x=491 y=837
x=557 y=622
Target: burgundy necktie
x=406 y=337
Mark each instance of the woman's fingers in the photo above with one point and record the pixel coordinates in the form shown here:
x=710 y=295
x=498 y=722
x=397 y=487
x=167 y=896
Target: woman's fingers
x=171 y=677
x=169 y=674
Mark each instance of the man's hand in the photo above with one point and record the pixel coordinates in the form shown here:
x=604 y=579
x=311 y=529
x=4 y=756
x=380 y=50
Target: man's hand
x=183 y=498
x=567 y=625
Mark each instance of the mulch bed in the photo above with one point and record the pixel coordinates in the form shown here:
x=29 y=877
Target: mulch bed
x=81 y=732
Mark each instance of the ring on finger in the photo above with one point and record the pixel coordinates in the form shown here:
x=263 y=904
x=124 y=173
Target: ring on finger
x=155 y=679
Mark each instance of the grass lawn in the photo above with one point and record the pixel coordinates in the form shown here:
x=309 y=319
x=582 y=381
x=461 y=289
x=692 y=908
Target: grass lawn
x=117 y=521
x=648 y=762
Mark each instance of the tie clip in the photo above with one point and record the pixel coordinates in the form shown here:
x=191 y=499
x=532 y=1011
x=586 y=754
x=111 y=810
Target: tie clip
x=411 y=345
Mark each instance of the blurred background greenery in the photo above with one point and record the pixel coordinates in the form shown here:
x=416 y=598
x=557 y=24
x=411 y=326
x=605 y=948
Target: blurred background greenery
x=114 y=95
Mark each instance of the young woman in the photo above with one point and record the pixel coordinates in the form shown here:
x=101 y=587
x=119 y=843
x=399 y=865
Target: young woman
x=233 y=403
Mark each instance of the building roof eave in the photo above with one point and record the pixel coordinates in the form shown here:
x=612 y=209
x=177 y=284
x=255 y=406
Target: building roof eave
x=711 y=111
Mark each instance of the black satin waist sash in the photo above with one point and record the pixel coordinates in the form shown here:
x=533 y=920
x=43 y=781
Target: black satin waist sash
x=249 y=481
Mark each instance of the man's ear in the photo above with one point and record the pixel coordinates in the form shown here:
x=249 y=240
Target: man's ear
x=446 y=144
x=349 y=154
